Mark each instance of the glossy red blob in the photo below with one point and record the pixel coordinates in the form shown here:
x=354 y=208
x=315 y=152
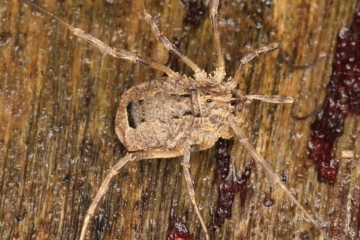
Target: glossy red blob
x=343 y=98
x=228 y=186
x=178 y=234
x=177 y=229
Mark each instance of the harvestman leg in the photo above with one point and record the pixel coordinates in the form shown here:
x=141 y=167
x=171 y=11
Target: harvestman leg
x=269 y=170
x=199 y=73
x=234 y=122
x=245 y=108
x=273 y=98
x=186 y=168
x=129 y=157
x=240 y=119
x=266 y=49
x=282 y=99
x=220 y=70
x=254 y=54
x=118 y=53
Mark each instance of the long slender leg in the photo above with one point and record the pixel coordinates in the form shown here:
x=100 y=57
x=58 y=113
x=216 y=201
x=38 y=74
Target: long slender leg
x=130 y=157
x=199 y=73
x=254 y=54
x=296 y=117
x=283 y=99
x=271 y=98
x=118 y=53
x=269 y=170
x=240 y=119
x=220 y=70
x=103 y=190
x=190 y=187
x=266 y=49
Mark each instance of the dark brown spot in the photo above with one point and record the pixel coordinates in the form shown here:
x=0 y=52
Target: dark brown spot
x=131 y=120
x=187 y=113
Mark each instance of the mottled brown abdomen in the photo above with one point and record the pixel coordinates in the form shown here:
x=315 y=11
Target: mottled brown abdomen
x=157 y=114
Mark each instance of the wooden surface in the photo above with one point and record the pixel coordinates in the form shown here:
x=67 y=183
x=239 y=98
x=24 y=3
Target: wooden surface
x=58 y=100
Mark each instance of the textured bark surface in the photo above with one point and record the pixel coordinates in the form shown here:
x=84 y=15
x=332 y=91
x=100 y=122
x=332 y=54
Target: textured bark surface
x=58 y=100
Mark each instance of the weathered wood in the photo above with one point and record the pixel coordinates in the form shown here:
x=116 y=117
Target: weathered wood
x=58 y=100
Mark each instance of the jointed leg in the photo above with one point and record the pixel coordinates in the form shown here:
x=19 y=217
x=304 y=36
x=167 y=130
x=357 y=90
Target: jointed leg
x=296 y=117
x=256 y=53
x=220 y=71
x=130 y=157
x=118 y=53
x=190 y=187
x=271 y=98
x=244 y=108
x=282 y=99
x=103 y=190
x=269 y=170
x=199 y=73
x=263 y=50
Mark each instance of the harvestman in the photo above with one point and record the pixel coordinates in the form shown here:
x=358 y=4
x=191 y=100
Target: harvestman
x=176 y=115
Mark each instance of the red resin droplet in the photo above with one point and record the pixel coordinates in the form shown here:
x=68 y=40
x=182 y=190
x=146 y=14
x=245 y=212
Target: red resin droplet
x=178 y=233
x=177 y=229
x=343 y=98
x=228 y=187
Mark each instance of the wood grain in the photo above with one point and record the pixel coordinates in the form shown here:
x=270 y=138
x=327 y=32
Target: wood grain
x=58 y=100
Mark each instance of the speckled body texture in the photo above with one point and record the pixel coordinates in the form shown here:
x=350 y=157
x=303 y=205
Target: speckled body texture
x=163 y=113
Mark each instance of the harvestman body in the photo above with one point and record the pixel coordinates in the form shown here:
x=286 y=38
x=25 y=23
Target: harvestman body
x=176 y=115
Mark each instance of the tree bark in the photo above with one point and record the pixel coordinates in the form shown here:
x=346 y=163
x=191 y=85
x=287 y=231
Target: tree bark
x=59 y=96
